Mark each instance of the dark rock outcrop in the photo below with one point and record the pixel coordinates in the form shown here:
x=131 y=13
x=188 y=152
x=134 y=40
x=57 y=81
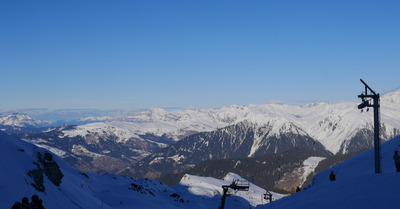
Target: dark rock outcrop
x=45 y=166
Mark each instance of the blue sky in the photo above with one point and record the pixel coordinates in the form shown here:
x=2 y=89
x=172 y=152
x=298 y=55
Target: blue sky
x=141 y=54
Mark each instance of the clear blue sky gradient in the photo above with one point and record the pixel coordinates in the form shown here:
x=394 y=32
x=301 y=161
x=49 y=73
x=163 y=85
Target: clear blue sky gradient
x=141 y=54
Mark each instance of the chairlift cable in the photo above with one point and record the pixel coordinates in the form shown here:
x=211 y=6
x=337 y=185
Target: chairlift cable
x=394 y=89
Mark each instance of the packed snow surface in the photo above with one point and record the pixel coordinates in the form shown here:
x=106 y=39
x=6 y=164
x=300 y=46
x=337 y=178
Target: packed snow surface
x=208 y=186
x=357 y=186
x=309 y=166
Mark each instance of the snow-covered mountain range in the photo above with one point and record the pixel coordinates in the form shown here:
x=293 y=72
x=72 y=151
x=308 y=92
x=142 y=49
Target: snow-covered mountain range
x=333 y=125
x=246 y=130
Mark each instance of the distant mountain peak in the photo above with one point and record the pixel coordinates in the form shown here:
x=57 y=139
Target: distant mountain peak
x=18 y=120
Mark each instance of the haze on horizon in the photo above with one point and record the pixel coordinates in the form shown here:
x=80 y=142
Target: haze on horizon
x=142 y=54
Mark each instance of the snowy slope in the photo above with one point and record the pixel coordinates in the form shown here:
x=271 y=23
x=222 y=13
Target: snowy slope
x=357 y=185
x=89 y=191
x=207 y=186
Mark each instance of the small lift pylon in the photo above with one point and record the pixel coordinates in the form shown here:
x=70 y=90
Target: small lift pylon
x=235 y=185
x=268 y=195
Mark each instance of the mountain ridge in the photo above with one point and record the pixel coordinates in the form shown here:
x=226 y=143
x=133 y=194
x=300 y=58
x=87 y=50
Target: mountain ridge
x=330 y=124
x=339 y=128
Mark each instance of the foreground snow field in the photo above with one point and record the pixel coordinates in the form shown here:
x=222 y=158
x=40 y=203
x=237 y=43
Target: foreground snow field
x=356 y=185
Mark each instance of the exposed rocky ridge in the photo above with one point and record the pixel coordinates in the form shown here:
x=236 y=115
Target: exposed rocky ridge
x=45 y=165
x=230 y=142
